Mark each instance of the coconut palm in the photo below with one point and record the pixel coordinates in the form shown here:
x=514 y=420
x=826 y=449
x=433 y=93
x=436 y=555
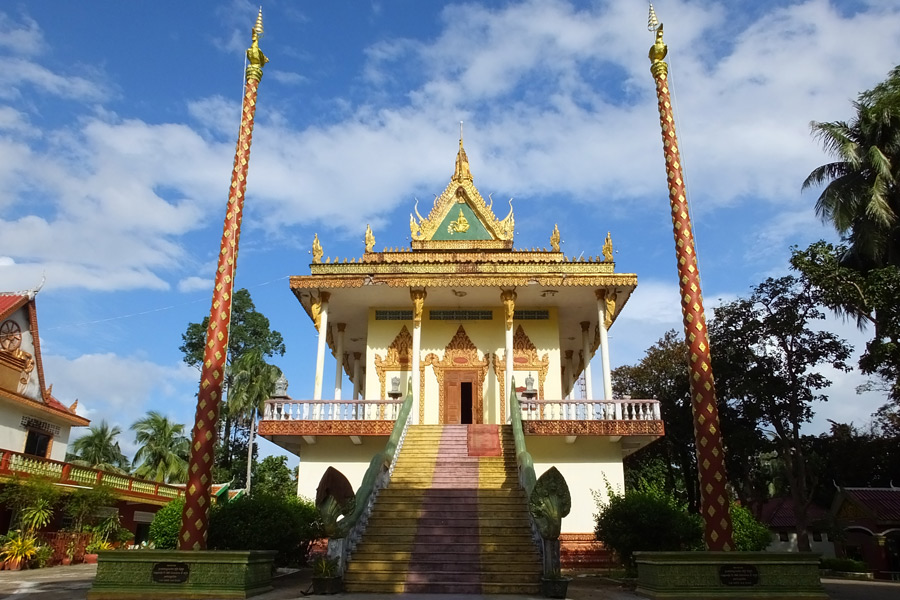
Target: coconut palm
x=861 y=197
x=99 y=449
x=253 y=383
x=163 y=451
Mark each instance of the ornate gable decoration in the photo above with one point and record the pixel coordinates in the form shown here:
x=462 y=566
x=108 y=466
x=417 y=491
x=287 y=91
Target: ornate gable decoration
x=460 y=217
x=460 y=353
x=398 y=357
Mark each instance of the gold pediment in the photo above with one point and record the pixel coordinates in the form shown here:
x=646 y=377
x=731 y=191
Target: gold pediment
x=443 y=224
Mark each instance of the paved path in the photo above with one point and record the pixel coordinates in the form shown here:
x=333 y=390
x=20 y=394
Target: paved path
x=73 y=582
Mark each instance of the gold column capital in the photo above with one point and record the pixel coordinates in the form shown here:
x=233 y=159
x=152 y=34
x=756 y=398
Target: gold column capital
x=569 y=354
x=418 y=298
x=608 y=298
x=357 y=355
x=316 y=306
x=585 y=325
x=508 y=297
x=341 y=327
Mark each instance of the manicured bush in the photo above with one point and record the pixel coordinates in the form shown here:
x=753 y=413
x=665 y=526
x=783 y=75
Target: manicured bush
x=646 y=520
x=166 y=525
x=844 y=565
x=749 y=534
x=265 y=522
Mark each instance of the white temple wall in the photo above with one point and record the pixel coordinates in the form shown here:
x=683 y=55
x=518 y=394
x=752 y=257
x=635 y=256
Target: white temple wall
x=587 y=464
x=338 y=452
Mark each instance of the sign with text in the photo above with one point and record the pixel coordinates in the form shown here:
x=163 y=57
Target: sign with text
x=170 y=572
x=738 y=575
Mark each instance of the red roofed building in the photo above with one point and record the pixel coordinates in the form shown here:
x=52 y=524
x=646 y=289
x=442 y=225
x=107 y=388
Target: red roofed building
x=870 y=521
x=32 y=420
x=778 y=515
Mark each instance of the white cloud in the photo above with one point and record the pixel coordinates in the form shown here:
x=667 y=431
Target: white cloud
x=193 y=284
x=25 y=38
x=121 y=389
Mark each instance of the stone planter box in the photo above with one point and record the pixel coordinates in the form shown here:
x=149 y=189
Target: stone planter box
x=170 y=574
x=731 y=575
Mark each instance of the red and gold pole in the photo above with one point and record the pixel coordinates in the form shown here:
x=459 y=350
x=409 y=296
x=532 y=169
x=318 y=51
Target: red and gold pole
x=195 y=518
x=714 y=501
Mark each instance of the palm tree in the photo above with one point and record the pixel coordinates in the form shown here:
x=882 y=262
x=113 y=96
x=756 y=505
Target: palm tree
x=253 y=383
x=99 y=449
x=861 y=197
x=163 y=451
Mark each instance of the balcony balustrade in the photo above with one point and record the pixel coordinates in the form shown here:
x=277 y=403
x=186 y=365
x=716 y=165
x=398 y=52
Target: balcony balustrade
x=332 y=410
x=17 y=463
x=590 y=410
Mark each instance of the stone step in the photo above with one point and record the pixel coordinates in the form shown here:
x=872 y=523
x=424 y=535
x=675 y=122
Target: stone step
x=463 y=552
x=451 y=495
x=390 y=545
x=376 y=529
x=438 y=563
x=522 y=588
x=412 y=575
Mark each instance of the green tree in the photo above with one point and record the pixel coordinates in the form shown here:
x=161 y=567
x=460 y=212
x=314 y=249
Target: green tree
x=861 y=197
x=166 y=525
x=163 y=451
x=249 y=329
x=770 y=335
x=253 y=382
x=273 y=477
x=99 y=449
x=82 y=505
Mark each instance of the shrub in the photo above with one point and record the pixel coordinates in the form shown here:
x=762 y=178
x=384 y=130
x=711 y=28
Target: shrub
x=82 y=505
x=166 y=525
x=843 y=565
x=41 y=558
x=646 y=520
x=265 y=522
x=749 y=534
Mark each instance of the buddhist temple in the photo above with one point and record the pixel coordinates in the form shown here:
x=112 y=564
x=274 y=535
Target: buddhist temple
x=452 y=321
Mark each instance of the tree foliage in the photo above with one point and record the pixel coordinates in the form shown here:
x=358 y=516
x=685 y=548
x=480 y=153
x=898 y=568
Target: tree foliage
x=770 y=335
x=749 y=534
x=164 y=449
x=166 y=525
x=273 y=478
x=99 y=449
x=645 y=520
x=248 y=523
x=861 y=197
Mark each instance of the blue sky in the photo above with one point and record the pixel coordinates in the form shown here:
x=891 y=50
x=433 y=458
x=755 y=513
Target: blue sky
x=118 y=122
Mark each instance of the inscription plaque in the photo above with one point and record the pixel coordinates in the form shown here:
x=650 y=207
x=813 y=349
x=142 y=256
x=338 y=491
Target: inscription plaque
x=170 y=572
x=738 y=575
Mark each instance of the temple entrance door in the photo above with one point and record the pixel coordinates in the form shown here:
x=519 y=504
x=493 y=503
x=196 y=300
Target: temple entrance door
x=459 y=390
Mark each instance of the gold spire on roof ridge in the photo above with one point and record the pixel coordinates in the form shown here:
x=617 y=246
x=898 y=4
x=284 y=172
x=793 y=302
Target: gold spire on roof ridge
x=659 y=49
x=461 y=172
x=255 y=58
x=258 y=28
x=652 y=21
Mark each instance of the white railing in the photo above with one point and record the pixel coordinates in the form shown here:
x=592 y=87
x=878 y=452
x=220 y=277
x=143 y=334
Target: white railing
x=590 y=410
x=331 y=410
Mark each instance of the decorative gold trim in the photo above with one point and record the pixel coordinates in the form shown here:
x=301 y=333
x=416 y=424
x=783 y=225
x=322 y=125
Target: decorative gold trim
x=398 y=357
x=370 y=239
x=508 y=297
x=460 y=354
x=554 y=238
x=317 y=251
x=594 y=428
x=525 y=357
x=467 y=267
x=608 y=298
x=337 y=427
x=418 y=298
x=608 y=248
x=474 y=280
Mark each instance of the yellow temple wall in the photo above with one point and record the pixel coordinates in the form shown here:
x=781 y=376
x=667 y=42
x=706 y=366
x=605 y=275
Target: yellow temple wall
x=488 y=337
x=587 y=464
x=338 y=452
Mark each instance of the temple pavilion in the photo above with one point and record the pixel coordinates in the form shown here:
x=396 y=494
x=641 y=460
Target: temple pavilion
x=453 y=318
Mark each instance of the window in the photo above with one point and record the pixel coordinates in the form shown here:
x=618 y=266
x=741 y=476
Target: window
x=37 y=443
x=783 y=536
x=817 y=536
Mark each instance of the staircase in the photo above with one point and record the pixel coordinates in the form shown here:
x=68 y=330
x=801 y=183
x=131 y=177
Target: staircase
x=448 y=523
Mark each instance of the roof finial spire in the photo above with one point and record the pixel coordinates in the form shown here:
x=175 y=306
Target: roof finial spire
x=462 y=161
x=258 y=28
x=652 y=21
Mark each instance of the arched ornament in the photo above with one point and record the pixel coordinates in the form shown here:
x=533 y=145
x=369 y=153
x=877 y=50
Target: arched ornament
x=459 y=355
x=525 y=358
x=398 y=357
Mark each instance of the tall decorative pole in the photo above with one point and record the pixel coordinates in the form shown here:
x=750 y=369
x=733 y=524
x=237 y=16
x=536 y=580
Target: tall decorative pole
x=714 y=503
x=195 y=518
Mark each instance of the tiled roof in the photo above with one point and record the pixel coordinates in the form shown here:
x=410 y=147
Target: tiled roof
x=778 y=513
x=10 y=302
x=883 y=502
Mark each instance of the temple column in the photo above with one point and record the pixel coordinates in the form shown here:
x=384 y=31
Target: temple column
x=339 y=358
x=320 y=318
x=570 y=375
x=586 y=349
x=606 y=306
x=356 y=357
x=508 y=297
x=418 y=298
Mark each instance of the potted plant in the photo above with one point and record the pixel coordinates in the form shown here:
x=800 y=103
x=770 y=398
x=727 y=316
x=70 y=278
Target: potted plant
x=90 y=552
x=550 y=501
x=19 y=547
x=70 y=553
x=326 y=576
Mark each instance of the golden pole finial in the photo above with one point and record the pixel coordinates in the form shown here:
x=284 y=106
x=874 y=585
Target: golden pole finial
x=461 y=171
x=255 y=58
x=460 y=134
x=652 y=21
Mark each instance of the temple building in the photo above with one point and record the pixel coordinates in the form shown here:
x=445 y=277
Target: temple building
x=455 y=318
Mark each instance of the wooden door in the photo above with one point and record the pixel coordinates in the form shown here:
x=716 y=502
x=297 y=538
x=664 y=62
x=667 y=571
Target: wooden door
x=455 y=393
